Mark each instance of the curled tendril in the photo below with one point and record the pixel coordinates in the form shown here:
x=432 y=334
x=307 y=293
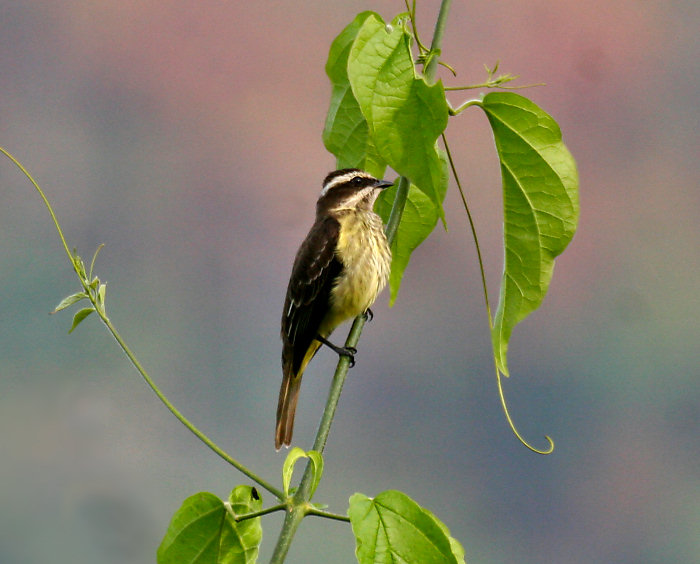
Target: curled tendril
x=504 y=405
x=448 y=67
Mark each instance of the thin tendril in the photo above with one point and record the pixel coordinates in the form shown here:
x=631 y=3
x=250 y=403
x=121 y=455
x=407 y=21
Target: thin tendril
x=548 y=450
x=92 y=296
x=472 y=226
x=492 y=84
x=46 y=201
x=412 y=16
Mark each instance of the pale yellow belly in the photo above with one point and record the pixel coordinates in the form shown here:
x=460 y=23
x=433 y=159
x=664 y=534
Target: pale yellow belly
x=365 y=254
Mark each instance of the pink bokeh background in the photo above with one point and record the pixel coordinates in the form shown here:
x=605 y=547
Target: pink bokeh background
x=187 y=138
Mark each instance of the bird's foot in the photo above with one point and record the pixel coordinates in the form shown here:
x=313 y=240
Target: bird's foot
x=350 y=352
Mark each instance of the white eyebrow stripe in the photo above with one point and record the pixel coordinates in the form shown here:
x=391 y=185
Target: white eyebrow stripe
x=341 y=179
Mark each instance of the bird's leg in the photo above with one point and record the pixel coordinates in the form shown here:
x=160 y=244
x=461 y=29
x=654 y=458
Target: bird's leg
x=368 y=315
x=350 y=352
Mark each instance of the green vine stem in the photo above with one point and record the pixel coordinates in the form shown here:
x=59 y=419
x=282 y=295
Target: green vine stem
x=92 y=296
x=327 y=515
x=435 y=47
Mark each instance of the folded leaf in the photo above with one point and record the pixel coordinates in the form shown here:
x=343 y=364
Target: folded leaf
x=288 y=468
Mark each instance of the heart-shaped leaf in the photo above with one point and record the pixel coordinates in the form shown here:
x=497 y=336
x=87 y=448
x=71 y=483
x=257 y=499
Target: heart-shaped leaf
x=540 y=207
x=203 y=531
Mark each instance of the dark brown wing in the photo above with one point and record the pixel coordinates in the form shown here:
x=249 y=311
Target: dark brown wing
x=315 y=269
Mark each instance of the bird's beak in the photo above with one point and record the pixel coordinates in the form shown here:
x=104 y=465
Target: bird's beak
x=382 y=184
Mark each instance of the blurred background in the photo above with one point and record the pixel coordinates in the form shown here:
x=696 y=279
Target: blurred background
x=187 y=138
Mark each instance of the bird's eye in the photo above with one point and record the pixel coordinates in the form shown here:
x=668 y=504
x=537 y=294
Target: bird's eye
x=357 y=181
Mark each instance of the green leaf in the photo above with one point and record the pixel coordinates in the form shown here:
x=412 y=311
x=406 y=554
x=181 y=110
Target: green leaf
x=346 y=134
x=101 y=293
x=540 y=207
x=455 y=545
x=288 y=467
x=70 y=300
x=394 y=528
x=382 y=112
x=79 y=265
x=317 y=461
x=202 y=531
x=418 y=221
x=243 y=538
x=404 y=114
x=100 y=299
x=80 y=316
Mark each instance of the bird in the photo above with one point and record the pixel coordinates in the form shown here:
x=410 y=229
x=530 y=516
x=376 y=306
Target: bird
x=339 y=269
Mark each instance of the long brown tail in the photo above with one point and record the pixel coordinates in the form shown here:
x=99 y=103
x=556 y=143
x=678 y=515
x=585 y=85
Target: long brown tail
x=286 y=407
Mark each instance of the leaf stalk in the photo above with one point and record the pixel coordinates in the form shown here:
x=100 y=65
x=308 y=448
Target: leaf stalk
x=246 y=516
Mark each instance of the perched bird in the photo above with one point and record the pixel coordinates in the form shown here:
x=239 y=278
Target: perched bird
x=340 y=268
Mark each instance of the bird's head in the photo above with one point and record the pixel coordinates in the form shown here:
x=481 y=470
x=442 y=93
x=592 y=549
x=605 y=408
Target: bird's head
x=349 y=189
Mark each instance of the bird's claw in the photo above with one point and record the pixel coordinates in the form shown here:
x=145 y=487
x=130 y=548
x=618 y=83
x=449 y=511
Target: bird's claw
x=350 y=352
